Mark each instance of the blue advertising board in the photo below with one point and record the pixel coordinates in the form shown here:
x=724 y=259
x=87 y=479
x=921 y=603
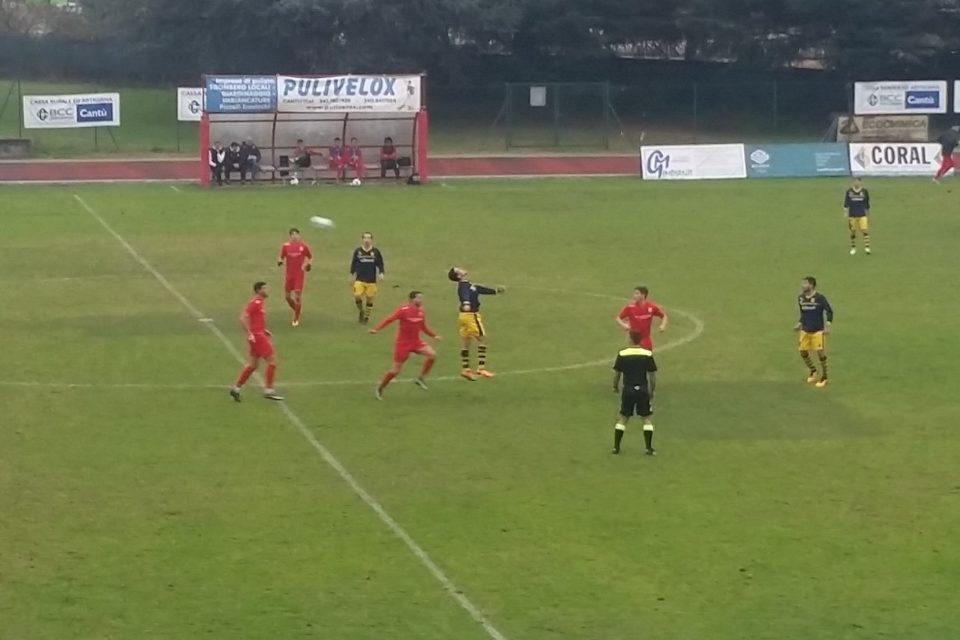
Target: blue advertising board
x=241 y=94
x=797 y=160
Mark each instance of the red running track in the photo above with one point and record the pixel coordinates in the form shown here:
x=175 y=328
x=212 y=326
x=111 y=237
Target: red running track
x=440 y=167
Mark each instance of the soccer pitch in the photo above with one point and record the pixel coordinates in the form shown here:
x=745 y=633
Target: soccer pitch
x=138 y=501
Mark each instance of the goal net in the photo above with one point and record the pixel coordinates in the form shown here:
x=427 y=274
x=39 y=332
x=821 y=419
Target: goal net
x=275 y=112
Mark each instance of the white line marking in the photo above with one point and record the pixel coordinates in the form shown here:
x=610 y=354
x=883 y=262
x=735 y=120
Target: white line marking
x=176 y=188
x=452 y=589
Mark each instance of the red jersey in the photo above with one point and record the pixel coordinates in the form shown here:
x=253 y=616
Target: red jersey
x=413 y=321
x=256 y=316
x=295 y=254
x=640 y=316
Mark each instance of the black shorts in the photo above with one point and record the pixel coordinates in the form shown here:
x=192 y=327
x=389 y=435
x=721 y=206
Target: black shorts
x=635 y=401
x=302 y=162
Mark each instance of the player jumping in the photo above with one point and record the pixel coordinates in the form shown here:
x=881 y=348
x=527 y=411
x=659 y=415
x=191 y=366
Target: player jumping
x=366 y=270
x=638 y=317
x=254 y=321
x=471 y=324
x=295 y=253
x=813 y=329
x=413 y=322
x=949 y=140
x=856 y=206
x=639 y=371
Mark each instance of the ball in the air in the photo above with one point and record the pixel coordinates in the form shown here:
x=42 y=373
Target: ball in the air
x=321 y=223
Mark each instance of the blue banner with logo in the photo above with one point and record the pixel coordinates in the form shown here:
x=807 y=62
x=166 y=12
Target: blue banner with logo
x=241 y=94
x=797 y=160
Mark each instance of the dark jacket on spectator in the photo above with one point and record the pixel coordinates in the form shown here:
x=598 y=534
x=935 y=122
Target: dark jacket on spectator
x=248 y=151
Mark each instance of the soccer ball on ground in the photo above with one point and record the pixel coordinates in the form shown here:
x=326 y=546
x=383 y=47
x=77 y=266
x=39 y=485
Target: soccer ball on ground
x=321 y=223
x=356 y=182
x=294 y=181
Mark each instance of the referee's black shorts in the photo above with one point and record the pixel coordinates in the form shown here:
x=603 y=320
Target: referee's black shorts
x=635 y=401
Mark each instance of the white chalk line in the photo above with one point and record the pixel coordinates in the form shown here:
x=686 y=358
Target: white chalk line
x=448 y=585
x=175 y=188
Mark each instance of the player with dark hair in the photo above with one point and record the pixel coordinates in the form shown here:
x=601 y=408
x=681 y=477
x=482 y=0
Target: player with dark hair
x=638 y=315
x=856 y=206
x=366 y=270
x=949 y=140
x=296 y=255
x=471 y=324
x=413 y=322
x=639 y=372
x=254 y=321
x=816 y=316
x=352 y=159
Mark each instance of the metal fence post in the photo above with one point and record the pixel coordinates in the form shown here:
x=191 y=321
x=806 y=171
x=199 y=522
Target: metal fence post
x=508 y=96
x=556 y=114
x=696 y=115
x=776 y=116
x=19 y=109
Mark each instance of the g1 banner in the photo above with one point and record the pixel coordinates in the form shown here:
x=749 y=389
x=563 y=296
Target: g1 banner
x=189 y=104
x=693 y=162
x=797 y=160
x=892 y=159
x=885 y=98
x=241 y=94
x=384 y=93
x=71 y=111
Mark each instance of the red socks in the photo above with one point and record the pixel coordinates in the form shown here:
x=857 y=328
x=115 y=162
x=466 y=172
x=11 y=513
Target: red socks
x=245 y=375
x=271 y=372
x=427 y=366
x=387 y=377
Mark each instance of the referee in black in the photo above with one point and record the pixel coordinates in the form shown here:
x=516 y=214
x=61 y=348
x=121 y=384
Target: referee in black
x=639 y=372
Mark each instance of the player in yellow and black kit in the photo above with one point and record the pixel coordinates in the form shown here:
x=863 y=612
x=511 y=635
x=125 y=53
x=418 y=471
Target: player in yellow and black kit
x=471 y=324
x=366 y=270
x=856 y=205
x=816 y=316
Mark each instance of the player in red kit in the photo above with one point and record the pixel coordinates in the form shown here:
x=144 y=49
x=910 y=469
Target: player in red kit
x=637 y=317
x=296 y=255
x=254 y=321
x=413 y=322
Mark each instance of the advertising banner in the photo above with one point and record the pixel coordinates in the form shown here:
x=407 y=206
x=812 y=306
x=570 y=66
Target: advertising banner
x=319 y=94
x=885 y=98
x=956 y=96
x=189 y=104
x=693 y=162
x=893 y=159
x=797 y=160
x=241 y=94
x=883 y=128
x=71 y=111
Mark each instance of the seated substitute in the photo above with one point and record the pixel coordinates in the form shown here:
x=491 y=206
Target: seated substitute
x=302 y=157
x=250 y=157
x=353 y=159
x=388 y=159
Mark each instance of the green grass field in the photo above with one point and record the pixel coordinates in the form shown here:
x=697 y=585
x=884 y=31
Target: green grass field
x=137 y=501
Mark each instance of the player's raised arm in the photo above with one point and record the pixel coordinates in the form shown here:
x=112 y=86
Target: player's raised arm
x=488 y=291
x=393 y=317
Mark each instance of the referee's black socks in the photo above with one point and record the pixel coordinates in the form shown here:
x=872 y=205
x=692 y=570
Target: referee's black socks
x=618 y=432
x=648 y=436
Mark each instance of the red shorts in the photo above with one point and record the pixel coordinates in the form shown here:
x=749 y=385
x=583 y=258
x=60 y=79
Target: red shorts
x=261 y=347
x=949 y=162
x=403 y=350
x=294 y=282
